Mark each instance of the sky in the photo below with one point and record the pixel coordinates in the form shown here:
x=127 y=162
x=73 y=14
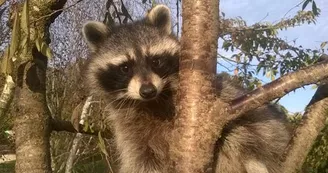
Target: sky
x=309 y=36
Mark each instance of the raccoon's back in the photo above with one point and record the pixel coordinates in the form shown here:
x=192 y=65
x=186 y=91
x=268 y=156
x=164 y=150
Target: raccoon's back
x=254 y=142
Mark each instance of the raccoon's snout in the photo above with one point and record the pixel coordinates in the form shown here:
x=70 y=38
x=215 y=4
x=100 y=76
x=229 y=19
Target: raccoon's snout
x=147 y=91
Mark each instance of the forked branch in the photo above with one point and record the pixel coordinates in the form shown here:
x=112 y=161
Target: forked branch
x=278 y=88
x=314 y=120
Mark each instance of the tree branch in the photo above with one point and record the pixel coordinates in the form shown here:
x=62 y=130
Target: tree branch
x=278 y=88
x=61 y=125
x=57 y=11
x=305 y=135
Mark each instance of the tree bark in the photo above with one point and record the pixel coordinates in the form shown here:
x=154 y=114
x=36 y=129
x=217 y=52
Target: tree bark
x=32 y=119
x=194 y=134
x=61 y=125
x=32 y=126
x=6 y=95
x=314 y=120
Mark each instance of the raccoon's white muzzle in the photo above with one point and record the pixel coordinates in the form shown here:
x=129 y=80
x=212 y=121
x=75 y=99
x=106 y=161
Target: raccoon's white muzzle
x=145 y=89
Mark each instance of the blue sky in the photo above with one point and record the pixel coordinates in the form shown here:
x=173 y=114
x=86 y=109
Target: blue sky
x=309 y=36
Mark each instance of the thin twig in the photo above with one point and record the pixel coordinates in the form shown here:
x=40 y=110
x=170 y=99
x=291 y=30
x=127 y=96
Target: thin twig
x=293 y=8
x=56 y=11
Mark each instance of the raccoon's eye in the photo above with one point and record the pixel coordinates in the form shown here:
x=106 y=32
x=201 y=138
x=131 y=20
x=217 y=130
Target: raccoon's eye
x=125 y=68
x=156 y=63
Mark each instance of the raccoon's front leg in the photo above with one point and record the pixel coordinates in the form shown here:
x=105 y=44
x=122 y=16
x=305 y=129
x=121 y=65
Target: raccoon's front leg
x=143 y=160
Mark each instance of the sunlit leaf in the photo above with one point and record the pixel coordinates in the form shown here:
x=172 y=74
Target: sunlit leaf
x=25 y=26
x=35 y=8
x=86 y=126
x=273 y=77
x=44 y=47
x=15 y=36
x=323 y=44
x=314 y=86
x=6 y=63
x=153 y=3
x=45 y=50
x=268 y=74
x=38 y=42
x=49 y=53
x=2 y=2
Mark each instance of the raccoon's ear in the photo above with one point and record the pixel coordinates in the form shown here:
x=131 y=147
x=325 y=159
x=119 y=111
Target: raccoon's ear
x=160 y=16
x=95 y=33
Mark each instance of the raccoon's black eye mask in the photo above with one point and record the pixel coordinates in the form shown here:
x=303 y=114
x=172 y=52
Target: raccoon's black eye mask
x=164 y=64
x=115 y=78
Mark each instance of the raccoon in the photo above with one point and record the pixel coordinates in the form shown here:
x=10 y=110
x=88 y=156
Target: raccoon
x=135 y=67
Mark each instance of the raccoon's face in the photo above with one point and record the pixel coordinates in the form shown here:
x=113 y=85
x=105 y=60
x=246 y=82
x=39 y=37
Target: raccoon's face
x=137 y=61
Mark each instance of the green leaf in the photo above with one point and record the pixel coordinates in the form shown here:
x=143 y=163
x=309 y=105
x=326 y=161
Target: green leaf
x=101 y=144
x=314 y=86
x=275 y=49
x=315 y=9
x=86 y=126
x=268 y=74
x=259 y=66
x=153 y=3
x=273 y=77
x=226 y=45
x=305 y=4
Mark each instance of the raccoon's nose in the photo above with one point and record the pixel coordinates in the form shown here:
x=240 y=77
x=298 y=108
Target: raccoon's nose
x=147 y=91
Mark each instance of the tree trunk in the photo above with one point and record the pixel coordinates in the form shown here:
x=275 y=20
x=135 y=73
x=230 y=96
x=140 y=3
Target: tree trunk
x=32 y=119
x=32 y=122
x=194 y=133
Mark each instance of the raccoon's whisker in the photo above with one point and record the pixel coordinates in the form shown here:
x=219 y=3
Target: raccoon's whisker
x=113 y=92
x=129 y=109
x=120 y=104
x=114 y=100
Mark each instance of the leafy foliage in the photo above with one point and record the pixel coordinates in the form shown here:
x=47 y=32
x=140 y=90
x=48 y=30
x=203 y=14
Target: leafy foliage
x=316 y=161
x=258 y=49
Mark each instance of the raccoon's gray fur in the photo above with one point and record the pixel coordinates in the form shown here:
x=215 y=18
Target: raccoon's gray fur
x=135 y=67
